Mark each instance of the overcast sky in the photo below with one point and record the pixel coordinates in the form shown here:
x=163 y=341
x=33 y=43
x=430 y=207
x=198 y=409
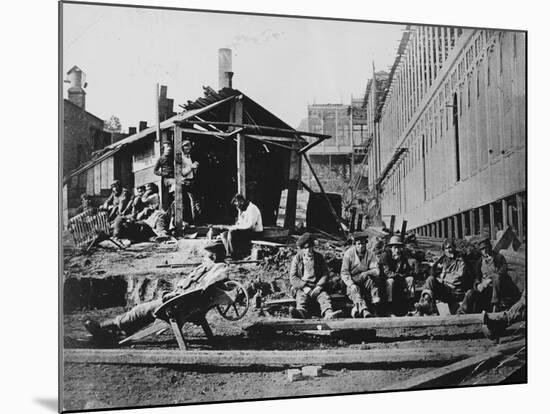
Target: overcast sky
x=282 y=63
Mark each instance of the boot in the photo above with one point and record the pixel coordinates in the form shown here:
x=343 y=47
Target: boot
x=494 y=328
x=425 y=306
x=330 y=314
x=297 y=313
x=100 y=332
x=365 y=313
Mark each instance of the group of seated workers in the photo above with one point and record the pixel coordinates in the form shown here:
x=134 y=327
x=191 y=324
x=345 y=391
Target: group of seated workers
x=137 y=218
x=380 y=280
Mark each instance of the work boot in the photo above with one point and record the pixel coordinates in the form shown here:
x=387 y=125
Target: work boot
x=425 y=306
x=296 y=313
x=98 y=332
x=493 y=328
x=355 y=312
x=365 y=313
x=330 y=314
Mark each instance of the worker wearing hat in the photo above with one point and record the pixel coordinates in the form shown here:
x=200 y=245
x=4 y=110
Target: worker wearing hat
x=493 y=288
x=189 y=174
x=397 y=274
x=361 y=277
x=118 y=200
x=141 y=315
x=450 y=286
x=308 y=278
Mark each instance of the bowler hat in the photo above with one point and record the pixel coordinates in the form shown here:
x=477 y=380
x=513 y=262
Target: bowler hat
x=394 y=241
x=305 y=240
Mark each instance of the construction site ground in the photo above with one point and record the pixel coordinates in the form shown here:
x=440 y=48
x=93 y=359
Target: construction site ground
x=105 y=282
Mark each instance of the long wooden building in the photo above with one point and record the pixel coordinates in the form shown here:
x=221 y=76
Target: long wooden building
x=448 y=153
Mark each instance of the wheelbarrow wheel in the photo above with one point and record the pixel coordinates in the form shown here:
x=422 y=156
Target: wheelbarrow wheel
x=236 y=310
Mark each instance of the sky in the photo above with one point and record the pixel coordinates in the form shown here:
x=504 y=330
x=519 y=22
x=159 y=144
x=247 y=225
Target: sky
x=282 y=63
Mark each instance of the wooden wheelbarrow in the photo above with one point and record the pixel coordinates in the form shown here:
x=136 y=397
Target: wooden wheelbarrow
x=227 y=296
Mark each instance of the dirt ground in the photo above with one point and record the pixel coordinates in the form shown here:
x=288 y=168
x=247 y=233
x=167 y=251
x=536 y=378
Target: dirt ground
x=94 y=386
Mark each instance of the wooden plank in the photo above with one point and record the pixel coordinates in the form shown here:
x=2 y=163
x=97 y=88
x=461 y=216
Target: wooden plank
x=481 y=222
x=403 y=230
x=457 y=234
x=255 y=128
x=177 y=333
x=472 y=223
x=446 y=375
x=368 y=323
x=269 y=358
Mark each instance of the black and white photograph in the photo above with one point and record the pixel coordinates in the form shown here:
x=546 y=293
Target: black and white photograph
x=262 y=206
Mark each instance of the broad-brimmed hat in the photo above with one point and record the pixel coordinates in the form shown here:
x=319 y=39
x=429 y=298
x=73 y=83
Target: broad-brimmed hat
x=394 y=241
x=305 y=240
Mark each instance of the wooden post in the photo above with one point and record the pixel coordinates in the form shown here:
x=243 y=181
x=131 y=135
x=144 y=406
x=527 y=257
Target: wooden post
x=472 y=223
x=403 y=230
x=392 y=224
x=504 y=213
x=156 y=144
x=481 y=223
x=353 y=211
x=458 y=234
x=463 y=224
x=359 y=226
x=178 y=196
x=294 y=175
x=519 y=205
x=450 y=228
x=241 y=149
x=492 y=227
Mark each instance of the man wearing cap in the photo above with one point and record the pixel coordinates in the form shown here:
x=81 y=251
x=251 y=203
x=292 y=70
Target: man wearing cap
x=117 y=201
x=450 y=286
x=164 y=167
x=188 y=171
x=143 y=314
x=398 y=277
x=493 y=286
x=308 y=277
x=361 y=277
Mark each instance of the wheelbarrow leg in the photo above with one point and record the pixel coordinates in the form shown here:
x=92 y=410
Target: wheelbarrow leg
x=178 y=334
x=206 y=328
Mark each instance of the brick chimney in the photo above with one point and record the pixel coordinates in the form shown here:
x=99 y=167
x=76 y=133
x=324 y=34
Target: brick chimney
x=142 y=125
x=132 y=130
x=225 y=73
x=77 y=81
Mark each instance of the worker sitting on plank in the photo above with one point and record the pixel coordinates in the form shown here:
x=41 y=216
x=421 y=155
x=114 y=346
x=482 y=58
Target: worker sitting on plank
x=146 y=222
x=361 y=276
x=450 y=286
x=143 y=314
x=495 y=324
x=249 y=222
x=117 y=201
x=493 y=287
x=397 y=274
x=308 y=277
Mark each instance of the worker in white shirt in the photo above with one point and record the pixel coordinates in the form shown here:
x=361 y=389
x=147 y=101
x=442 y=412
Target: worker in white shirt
x=249 y=222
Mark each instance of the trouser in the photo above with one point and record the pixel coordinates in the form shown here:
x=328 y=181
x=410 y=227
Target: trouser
x=499 y=291
x=367 y=290
x=137 y=231
x=238 y=242
x=190 y=202
x=399 y=293
x=442 y=291
x=304 y=301
x=136 y=318
x=518 y=311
